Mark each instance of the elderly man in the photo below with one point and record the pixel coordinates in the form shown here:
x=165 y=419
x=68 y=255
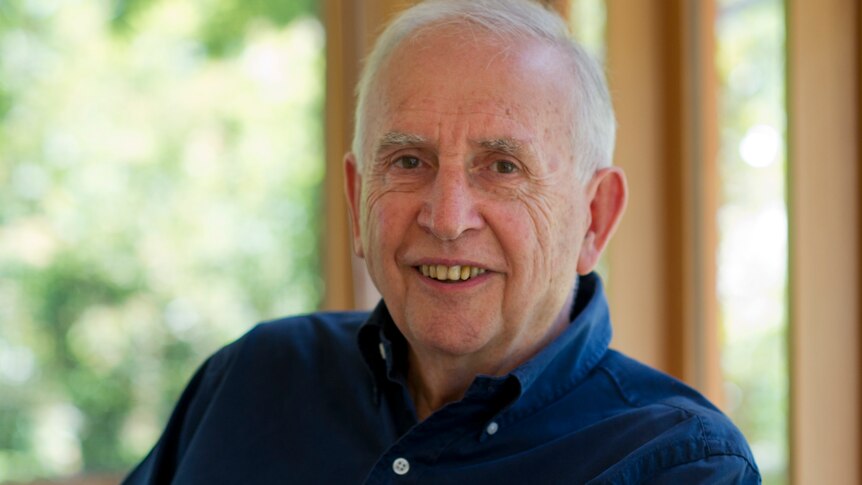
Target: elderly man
x=480 y=187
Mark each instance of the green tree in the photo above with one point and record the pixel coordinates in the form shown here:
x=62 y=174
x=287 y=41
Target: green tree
x=160 y=169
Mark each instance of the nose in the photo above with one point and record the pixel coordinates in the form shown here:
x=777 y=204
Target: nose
x=450 y=209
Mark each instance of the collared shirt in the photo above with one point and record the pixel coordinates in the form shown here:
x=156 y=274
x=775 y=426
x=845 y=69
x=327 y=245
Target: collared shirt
x=322 y=398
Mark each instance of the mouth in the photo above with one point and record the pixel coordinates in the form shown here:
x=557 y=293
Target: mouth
x=449 y=274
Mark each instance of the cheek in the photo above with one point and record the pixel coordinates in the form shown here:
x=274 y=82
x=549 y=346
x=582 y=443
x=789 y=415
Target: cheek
x=555 y=223
x=544 y=216
x=386 y=217
x=523 y=231
x=373 y=208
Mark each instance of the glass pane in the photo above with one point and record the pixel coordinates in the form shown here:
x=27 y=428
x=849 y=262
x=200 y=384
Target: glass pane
x=160 y=164
x=587 y=21
x=752 y=271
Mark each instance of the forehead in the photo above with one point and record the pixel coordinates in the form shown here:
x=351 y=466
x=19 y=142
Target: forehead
x=451 y=75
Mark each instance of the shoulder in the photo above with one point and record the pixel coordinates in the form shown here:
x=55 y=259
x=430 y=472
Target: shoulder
x=641 y=385
x=294 y=341
x=283 y=350
x=269 y=370
x=291 y=350
x=321 y=328
x=687 y=432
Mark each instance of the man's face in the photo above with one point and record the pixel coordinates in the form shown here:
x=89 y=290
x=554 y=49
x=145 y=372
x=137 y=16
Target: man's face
x=469 y=163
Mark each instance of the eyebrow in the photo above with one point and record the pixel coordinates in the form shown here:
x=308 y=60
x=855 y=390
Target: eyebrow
x=506 y=145
x=509 y=146
x=399 y=139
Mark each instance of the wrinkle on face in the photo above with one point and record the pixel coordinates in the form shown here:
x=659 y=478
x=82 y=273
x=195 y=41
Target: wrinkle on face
x=528 y=221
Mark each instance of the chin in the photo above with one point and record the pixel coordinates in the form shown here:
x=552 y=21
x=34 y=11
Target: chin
x=448 y=334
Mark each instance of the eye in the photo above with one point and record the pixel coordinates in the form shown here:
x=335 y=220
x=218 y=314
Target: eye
x=504 y=166
x=407 y=162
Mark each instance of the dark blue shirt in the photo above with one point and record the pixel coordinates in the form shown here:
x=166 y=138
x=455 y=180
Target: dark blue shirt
x=322 y=398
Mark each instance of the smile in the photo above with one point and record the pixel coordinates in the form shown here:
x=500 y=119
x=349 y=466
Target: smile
x=450 y=273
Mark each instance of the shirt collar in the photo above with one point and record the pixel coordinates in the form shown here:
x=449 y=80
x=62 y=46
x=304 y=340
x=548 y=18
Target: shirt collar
x=555 y=369
x=383 y=346
x=569 y=358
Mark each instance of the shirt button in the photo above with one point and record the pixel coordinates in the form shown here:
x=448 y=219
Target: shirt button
x=382 y=350
x=492 y=428
x=401 y=466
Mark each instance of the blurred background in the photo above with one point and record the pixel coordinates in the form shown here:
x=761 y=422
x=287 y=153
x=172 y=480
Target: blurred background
x=170 y=175
x=160 y=173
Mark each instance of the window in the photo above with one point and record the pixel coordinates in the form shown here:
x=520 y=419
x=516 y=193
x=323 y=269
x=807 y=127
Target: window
x=160 y=171
x=587 y=19
x=752 y=255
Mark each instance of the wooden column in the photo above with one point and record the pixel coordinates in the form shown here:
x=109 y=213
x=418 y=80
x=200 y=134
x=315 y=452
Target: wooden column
x=342 y=57
x=700 y=179
x=823 y=42
x=562 y=7
x=351 y=28
x=662 y=260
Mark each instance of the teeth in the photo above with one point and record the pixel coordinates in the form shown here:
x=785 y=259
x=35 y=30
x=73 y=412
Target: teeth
x=454 y=272
x=450 y=273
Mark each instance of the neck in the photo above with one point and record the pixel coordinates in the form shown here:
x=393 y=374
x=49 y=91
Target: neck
x=432 y=384
x=435 y=379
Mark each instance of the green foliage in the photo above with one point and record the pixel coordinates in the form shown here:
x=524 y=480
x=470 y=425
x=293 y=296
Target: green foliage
x=221 y=32
x=224 y=28
x=5 y=102
x=125 y=10
x=10 y=13
x=15 y=427
x=155 y=202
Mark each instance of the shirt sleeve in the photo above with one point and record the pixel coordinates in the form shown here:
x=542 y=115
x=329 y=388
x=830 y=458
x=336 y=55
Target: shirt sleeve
x=717 y=470
x=161 y=463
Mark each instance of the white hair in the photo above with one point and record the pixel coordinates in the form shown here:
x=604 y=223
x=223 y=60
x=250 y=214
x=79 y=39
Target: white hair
x=594 y=127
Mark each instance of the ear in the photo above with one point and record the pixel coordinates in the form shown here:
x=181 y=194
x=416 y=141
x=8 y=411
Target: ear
x=607 y=193
x=353 y=191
